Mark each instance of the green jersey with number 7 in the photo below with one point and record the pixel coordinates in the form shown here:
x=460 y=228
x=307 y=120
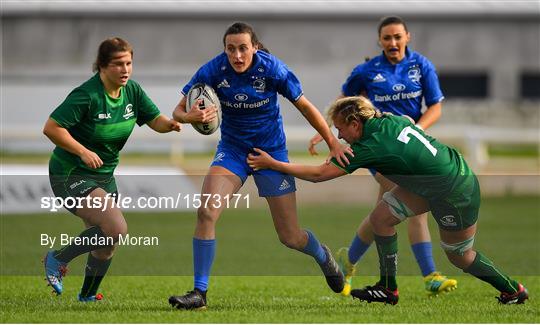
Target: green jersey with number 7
x=403 y=153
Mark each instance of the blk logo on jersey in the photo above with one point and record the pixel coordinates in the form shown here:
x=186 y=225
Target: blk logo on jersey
x=104 y=116
x=128 y=112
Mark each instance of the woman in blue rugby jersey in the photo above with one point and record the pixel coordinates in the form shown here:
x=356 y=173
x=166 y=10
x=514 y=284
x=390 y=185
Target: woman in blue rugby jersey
x=396 y=82
x=247 y=82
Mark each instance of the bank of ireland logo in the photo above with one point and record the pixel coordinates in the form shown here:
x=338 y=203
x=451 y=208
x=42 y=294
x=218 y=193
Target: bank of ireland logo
x=414 y=74
x=398 y=87
x=241 y=97
x=128 y=112
x=449 y=221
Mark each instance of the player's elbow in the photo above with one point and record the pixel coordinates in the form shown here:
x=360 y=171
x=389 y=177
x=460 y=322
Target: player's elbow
x=47 y=130
x=323 y=174
x=318 y=177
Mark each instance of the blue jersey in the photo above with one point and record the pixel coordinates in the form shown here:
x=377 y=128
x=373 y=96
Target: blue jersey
x=249 y=100
x=396 y=88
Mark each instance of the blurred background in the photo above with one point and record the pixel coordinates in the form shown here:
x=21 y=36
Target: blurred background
x=487 y=55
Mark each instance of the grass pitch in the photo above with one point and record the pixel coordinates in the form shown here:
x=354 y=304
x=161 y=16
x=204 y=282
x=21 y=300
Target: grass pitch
x=257 y=299
x=256 y=279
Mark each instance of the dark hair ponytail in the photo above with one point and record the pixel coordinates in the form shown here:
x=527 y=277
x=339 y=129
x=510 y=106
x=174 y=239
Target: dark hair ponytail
x=106 y=51
x=241 y=28
x=391 y=20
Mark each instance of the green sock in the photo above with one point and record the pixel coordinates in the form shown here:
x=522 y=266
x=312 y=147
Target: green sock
x=387 y=248
x=485 y=270
x=89 y=240
x=94 y=272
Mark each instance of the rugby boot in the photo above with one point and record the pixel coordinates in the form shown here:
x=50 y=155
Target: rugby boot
x=376 y=293
x=517 y=297
x=347 y=268
x=97 y=297
x=436 y=283
x=54 y=272
x=192 y=300
x=331 y=271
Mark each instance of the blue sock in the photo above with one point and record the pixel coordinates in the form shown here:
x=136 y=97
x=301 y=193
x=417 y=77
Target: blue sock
x=203 y=256
x=357 y=249
x=424 y=257
x=314 y=248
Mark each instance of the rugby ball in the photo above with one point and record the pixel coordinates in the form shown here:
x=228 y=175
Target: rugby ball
x=209 y=97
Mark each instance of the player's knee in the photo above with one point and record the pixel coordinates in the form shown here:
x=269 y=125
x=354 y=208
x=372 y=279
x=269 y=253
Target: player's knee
x=291 y=241
x=115 y=229
x=379 y=221
x=461 y=261
x=104 y=253
x=419 y=220
x=460 y=254
x=397 y=208
x=207 y=215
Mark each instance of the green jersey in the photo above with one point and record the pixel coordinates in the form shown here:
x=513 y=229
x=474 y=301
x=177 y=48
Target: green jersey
x=100 y=123
x=410 y=158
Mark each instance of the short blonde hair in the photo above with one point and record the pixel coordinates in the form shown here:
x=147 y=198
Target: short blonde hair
x=357 y=108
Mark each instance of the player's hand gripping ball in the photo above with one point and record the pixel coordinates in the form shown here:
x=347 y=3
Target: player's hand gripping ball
x=209 y=98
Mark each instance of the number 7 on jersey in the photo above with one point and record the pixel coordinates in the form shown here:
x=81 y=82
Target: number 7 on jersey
x=404 y=137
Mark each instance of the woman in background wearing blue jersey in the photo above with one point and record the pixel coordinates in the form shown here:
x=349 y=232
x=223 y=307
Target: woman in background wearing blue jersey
x=248 y=81
x=396 y=82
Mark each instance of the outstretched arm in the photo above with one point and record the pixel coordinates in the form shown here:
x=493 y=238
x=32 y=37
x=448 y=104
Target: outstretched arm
x=314 y=174
x=163 y=124
x=314 y=117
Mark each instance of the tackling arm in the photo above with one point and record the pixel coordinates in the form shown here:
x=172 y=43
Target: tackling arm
x=163 y=124
x=313 y=174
